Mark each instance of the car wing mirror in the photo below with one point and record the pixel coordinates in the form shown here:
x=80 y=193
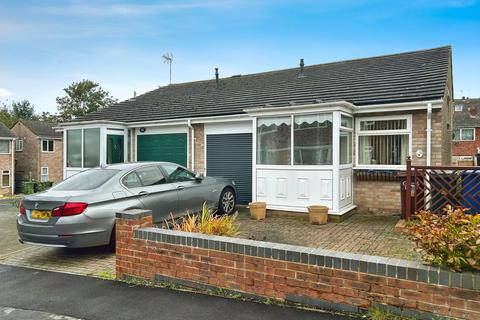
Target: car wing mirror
x=199 y=176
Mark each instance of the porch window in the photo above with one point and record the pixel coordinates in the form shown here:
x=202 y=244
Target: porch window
x=274 y=140
x=4 y=146
x=91 y=147
x=383 y=141
x=345 y=147
x=74 y=148
x=313 y=139
x=464 y=134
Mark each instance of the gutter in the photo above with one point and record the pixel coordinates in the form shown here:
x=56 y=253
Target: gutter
x=192 y=143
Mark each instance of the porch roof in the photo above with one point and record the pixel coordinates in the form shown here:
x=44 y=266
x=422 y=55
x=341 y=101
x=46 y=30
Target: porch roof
x=404 y=77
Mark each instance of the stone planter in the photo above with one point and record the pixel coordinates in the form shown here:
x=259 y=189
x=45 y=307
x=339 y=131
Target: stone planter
x=318 y=214
x=258 y=210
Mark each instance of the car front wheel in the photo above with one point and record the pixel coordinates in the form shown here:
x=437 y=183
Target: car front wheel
x=227 y=202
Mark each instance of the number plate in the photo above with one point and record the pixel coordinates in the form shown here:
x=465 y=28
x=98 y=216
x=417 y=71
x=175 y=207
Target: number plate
x=41 y=215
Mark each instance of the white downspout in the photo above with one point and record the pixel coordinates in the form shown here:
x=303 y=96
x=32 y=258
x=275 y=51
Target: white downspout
x=192 y=143
x=429 y=152
x=429 y=134
x=12 y=171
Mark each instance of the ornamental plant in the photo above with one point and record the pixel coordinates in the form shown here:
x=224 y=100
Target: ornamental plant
x=207 y=222
x=451 y=239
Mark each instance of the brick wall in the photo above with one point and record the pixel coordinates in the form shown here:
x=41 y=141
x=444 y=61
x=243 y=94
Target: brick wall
x=199 y=138
x=26 y=161
x=466 y=148
x=312 y=277
x=6 y=164
x=53 y=161
x=377 y=197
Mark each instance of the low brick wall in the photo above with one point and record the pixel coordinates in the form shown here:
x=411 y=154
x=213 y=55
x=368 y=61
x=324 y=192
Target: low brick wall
x=313 y=277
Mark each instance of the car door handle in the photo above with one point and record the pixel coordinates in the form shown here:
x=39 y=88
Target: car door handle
x=143 y=193
x=180 y=187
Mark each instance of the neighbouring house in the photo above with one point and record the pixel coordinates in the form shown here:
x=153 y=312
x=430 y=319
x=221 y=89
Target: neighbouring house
x=466 y=132
x=335 y=134
x=39 y=151
x=7 y=161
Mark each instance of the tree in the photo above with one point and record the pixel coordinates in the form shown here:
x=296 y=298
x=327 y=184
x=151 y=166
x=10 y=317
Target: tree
x=81 y=98
x=6 y=117
x=23 y=110
x=48 y=117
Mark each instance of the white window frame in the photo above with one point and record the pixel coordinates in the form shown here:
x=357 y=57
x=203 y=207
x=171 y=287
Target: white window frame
x=359 y=133
x=6 y=172
x=461 y=134
x=458 y=107
x=43 y=174
x=9 y=142
x=47 y=151
x=17 y=142
x=347 y=129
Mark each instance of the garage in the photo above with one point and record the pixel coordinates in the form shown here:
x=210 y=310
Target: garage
x=230 y=156
x=170 y=147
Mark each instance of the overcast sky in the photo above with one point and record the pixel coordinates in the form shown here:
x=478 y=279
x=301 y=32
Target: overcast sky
x=46 y=45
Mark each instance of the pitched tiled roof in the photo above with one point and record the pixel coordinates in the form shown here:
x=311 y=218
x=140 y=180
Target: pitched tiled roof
x=412 y=76
x=469 y=117
x=42 y=129
x=5 y=132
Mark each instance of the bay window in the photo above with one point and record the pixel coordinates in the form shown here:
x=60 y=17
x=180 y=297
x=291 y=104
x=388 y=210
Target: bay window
x=383 y=141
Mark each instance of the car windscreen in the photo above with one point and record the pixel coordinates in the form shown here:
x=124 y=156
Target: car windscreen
x=86 y=180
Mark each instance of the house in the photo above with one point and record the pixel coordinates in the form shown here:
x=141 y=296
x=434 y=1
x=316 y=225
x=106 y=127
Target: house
x=7 y=160
x=39 y=151
x=466 y=132
x=293 y=137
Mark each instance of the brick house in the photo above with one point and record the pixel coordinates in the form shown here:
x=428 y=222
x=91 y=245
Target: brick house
x=335 y=134
x=466 y=132
x=39 y=151
x=7 y=156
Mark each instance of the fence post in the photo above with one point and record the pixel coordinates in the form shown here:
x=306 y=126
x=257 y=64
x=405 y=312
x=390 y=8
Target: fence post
x=408 y=191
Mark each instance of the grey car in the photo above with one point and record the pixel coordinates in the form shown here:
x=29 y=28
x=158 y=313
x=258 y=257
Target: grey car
x=80 y=211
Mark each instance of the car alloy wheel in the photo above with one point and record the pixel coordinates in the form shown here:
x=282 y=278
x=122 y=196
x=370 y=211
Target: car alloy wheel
x=228 y=201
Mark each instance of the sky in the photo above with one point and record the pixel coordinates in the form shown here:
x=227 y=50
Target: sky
x=46 y=45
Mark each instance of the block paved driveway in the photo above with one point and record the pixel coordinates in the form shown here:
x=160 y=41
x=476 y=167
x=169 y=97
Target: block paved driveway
x=93 y=261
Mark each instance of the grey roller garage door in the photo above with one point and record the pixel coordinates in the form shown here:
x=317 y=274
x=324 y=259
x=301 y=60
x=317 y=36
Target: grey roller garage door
x=230 y=156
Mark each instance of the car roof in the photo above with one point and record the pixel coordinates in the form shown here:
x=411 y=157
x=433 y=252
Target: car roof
x=133 y=165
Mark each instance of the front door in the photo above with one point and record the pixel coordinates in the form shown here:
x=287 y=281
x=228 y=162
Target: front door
x=114 y=149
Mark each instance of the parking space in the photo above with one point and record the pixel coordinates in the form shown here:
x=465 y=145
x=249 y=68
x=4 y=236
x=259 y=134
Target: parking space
x=98 y=261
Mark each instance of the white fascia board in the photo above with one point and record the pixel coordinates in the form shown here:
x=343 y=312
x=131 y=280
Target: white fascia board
x=92 y=122
x=391 y=107
x=303 y=108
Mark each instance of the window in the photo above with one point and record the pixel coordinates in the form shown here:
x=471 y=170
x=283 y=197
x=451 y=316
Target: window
x=178 y=174
x=345 y=147
x=74 y=148
x=48 y=145
x=313 y=139
x=5 y=178
x=4 y=146
x=86 y=180
x=464 y=134
x=44 y=174
x=150 y=176
x=383 y=141
x=458 y=107
x=91 y=147
x=346 y=121
x=274 y=140
x=132 y=180
x=19 y=145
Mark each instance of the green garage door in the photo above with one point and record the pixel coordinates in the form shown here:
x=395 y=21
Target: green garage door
x=163 y=147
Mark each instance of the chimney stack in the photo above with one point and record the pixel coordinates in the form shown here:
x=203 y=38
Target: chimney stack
x=302 y=65
x=216 y=77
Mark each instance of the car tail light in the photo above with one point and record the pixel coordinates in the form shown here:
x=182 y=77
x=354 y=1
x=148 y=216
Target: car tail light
x=22 y=209
x=69 y=209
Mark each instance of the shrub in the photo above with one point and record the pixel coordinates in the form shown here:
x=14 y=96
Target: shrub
x=208 y=223
x=451 y=239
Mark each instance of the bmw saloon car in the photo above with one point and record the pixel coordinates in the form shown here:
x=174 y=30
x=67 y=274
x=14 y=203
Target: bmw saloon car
x=80 y=211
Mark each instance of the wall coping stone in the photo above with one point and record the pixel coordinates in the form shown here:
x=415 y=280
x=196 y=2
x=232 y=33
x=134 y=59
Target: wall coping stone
x=133 y=214
x=374 y=265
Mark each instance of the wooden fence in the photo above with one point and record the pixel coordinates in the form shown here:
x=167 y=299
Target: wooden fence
x=434 y=187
